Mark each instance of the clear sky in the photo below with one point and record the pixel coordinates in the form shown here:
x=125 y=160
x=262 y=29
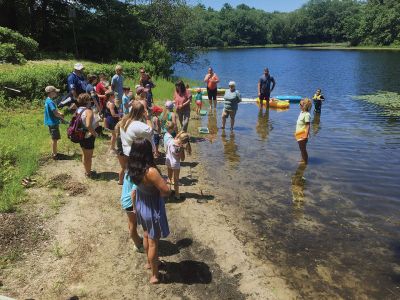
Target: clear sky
x=267 y=5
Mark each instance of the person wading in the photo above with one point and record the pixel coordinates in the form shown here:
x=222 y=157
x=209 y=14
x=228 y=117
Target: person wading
x=264 y=88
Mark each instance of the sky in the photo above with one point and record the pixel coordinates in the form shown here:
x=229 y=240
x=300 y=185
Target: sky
x=267 y=5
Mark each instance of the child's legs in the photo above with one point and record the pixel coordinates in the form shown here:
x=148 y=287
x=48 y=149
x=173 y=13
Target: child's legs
x=146 y=244
x=54 y=147
x=113 y=139
x=303 y=150
x=232 y=115
x=152 y=257
x=132 y=226
x=224 y=118
x=176 y=181
x=87 y=155
x=170 y=173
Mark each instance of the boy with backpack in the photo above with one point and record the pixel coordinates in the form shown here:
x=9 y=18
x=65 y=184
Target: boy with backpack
x=52 y=117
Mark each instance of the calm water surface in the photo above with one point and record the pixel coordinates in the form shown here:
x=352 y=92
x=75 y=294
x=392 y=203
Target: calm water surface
x=333 y=226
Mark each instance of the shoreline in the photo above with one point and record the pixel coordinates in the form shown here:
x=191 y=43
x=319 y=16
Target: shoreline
x=86 y=241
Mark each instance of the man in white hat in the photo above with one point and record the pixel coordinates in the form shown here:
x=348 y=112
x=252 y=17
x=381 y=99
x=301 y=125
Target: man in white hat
x=231 y=100
x=52 y=117
x=76 y=83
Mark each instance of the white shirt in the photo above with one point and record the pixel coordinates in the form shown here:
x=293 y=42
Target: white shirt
x=135 y=131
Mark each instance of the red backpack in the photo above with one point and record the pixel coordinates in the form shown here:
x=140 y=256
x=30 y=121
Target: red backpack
x=75 y=131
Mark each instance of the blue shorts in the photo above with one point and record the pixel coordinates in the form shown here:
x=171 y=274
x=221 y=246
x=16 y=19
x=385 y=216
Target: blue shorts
x=156 y=138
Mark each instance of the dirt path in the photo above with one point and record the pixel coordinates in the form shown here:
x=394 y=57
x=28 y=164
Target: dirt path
x=82 y=249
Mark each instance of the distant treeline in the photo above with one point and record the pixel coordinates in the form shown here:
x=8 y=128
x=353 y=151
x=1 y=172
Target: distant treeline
x=166 y=31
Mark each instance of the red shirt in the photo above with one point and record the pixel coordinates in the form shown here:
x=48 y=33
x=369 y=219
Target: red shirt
x=180 y=99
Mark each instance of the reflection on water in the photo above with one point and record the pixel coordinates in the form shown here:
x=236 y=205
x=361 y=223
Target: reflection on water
x=315 y=123
x=212 y=125
x=230 y=147
x=263 y=126
x=336 y=234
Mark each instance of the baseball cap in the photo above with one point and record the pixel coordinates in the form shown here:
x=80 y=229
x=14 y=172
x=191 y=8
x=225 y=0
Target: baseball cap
x=78 y=66
x=169 y=104
x=232 y=83
x=50 y=89
x=157 y=109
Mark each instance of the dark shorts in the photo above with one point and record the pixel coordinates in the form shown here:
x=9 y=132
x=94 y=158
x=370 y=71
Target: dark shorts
x=212 y=94
x=120 y=151
x=265 y=96
x=111 y=122
x=156 y=138
x=55 y=132
x=88 y=143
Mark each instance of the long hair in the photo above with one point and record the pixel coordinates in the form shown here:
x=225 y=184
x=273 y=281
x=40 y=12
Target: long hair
x=184 y=138
x=180 y=87
x=140 y=160
x=135 y=114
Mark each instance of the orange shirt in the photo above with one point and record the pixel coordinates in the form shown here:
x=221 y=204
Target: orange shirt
x=210 y=84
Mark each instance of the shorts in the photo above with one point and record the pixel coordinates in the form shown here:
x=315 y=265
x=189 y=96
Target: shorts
x=156 y=139
x=198 y=103
x=265 y=96
x=88 y=143
x=111 y=122
x=120 y=151
x=54 y=132
x=176 y=165
x=129 y=209
x=212 y=94
x=229 y=113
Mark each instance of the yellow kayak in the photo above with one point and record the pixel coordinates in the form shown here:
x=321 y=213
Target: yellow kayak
x=274 y=103
x=220 y=92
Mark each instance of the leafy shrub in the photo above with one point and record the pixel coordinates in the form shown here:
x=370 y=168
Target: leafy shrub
x=26 y=46
x=9 y=54
x=32 y=78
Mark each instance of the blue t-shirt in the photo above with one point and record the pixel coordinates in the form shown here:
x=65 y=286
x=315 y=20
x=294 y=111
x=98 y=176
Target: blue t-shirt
x=77 y=83
x=125 y=101
x=265 y=84
x=50 y=118
x=127 y=187
x=117 y=83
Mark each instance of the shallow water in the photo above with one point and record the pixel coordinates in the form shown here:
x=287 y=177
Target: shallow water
x=331 y=226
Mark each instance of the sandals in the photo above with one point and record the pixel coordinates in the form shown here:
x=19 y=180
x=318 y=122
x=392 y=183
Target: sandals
x=27 y=182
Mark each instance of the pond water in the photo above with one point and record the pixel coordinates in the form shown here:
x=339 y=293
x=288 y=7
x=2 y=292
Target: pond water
x=333 y=226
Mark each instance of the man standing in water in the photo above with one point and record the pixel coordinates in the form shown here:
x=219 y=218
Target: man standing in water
x=264 y=88
x=212 y=80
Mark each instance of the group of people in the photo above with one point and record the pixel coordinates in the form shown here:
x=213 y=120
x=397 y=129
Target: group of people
x=138 y=128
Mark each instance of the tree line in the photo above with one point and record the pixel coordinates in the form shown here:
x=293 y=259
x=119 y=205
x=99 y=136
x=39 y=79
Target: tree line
x=169 y=31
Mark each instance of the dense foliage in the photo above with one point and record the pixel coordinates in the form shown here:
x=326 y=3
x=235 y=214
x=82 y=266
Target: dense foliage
x=168 y=31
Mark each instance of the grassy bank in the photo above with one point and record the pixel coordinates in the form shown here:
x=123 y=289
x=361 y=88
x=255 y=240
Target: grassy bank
x=320 y=46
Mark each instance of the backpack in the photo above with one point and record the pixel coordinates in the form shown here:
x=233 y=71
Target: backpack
x=75 y=131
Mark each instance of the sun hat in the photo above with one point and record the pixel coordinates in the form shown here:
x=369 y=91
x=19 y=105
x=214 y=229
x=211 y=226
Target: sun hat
x=169 y=104
x=50 y=89
x=78 y=66
x=156 y=109
x=232 y=83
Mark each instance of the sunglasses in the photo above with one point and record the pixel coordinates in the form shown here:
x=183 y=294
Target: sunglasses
x=301 y=104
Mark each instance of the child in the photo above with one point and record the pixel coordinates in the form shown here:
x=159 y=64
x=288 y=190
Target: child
x=174 y=155
x=156 y=128
x=317 y=99
x=52 y=118
x=112 y=117
x=126 y=100
x=141 y=95
x=151 y=189
x=303 y=128
x=128 y=199
x=168 y=134
x=168 y=115
x=198 y=98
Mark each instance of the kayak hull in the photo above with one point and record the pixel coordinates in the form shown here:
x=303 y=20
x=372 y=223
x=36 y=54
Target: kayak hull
x=291 y=98
x=273 y=103
x=220 y=92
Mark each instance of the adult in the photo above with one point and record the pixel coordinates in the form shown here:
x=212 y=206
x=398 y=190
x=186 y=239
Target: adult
x=182 y=98
x=212 y=80
x=133 y=128
x=146 y=82
x=76 y=83
x=117 y=83
x=231 y=100
x=264 y=88
x=91 y=90
x=112 y=118
x=89 y=124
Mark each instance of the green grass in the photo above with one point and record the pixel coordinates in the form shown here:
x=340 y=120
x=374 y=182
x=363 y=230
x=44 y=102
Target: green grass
x=24 y=140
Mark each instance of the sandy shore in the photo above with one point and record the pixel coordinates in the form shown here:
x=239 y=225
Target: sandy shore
x=73 y=241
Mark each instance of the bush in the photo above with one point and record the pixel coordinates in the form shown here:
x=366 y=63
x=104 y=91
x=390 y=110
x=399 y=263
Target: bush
x=26 y=46
x=9 y=54
x=32 y=78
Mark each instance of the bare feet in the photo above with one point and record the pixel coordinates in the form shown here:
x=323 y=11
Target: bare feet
x=154 y=280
